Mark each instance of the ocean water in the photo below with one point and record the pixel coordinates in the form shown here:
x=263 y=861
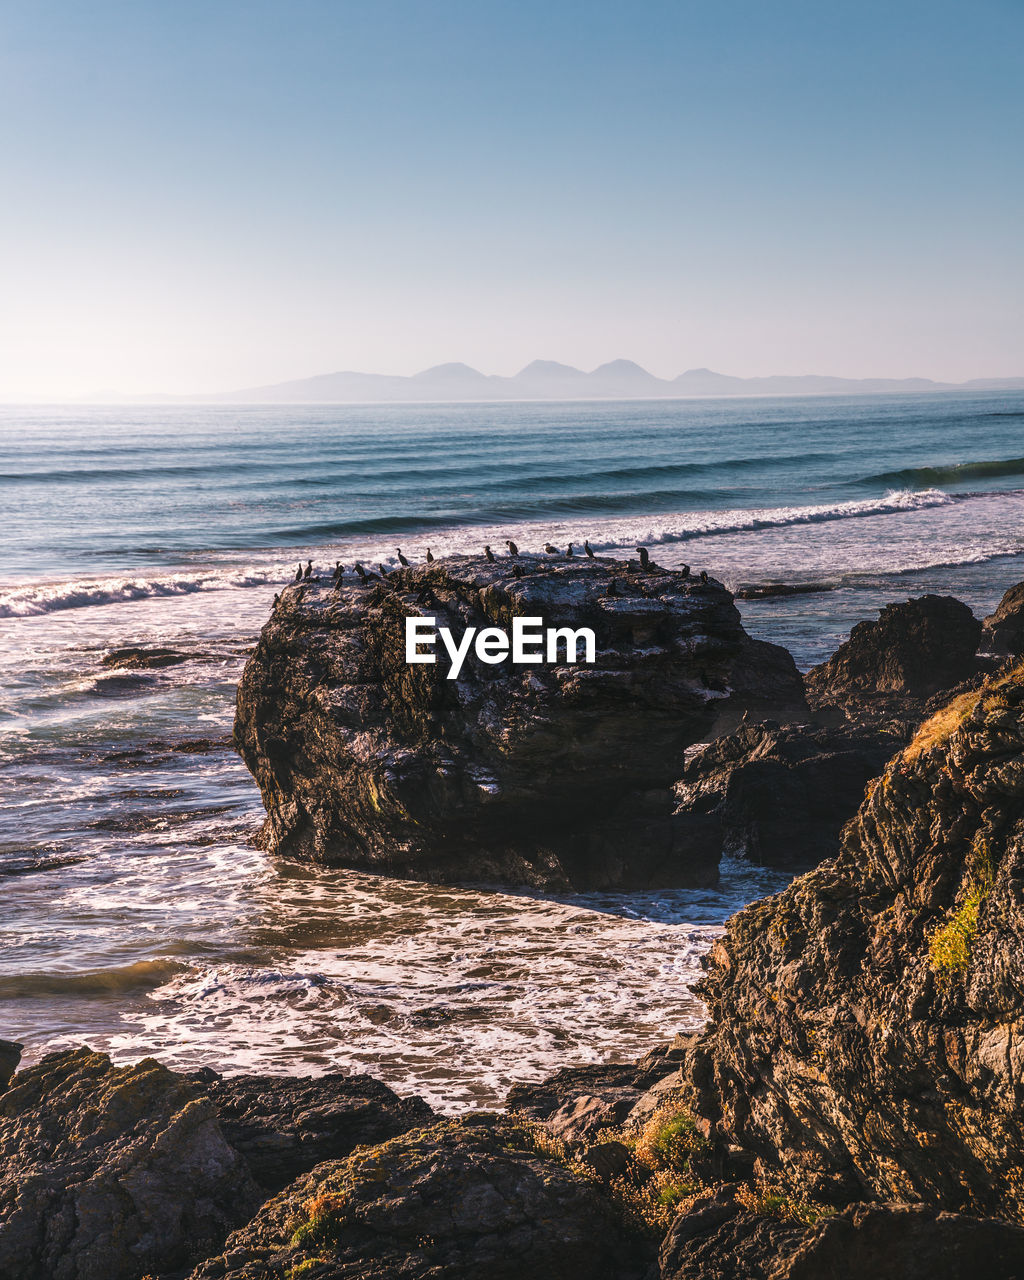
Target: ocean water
x=135 y=913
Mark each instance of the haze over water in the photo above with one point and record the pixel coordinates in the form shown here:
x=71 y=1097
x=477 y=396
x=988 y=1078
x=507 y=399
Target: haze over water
x=136 y=914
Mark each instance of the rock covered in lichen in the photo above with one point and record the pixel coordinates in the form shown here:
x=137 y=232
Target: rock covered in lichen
x=866 y=1036
x=108 y=1173
x=549 y=774
x=456 y=1200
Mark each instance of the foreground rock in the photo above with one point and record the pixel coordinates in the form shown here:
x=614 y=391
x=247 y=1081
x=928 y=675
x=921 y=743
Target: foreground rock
x=112 y=1172
x=551 y=775
x=458 y=1201
x=285 y=1125
x=718 y=1240
x=865 y=1038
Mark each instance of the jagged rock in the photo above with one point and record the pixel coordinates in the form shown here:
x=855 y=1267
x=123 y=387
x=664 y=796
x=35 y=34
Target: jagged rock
x=865 y=1036
x=1004 y=630
x=137 y=658
x=112 y=1172
x=780 y=795
x=543 y=1099
x=285 y=1125
x=717 y=1240
x=10 y=1056
x=889 y=667
x=551 y=775
x=454 y=1200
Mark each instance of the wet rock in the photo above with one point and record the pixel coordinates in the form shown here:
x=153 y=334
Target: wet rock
x=138 y=658
x=914 y=650
x=454 y=1200
x=551 y=775
x=865 y=1023
x=717 y=1240
x=780 y=795
x=1004 y=630
x=110 y=1173
x=284 y=1125
x=540 y=1100
x=10 y=1056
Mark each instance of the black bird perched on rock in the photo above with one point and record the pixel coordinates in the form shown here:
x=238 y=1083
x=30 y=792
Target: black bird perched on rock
x=645 y=558
x=703 y=575
x=684 y=572
x=552 y=551
x=364 y=577
x=569 y=551
x=517 y=571
x=613 y=588
x=401 y=559
x=489 y=554
x=298 y=572
x=308 y=570
x=588 y=549
x=430 y=556
x=277 y=601
x=513 y=550
x=383 y=571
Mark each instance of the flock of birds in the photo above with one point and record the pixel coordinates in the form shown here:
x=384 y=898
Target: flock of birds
x=305 y=573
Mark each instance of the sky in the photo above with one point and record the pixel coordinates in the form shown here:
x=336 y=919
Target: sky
x=206 y=197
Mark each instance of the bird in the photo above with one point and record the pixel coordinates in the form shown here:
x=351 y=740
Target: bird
x=613 y=589
x=645 y=558
x=517 y=571
x=513 y=550
x=684 y=572
x=489 y=554
x=277 y=600
x=588 y=549
x=307 y=571
x=552 y=551
x=569 y=551
x=401 y=559
x=430 y=556
x=383 y=571
x=298 y=572
x=703 y=575
x=364 y=577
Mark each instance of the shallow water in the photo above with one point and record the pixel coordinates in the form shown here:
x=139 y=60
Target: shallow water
x=135 y=912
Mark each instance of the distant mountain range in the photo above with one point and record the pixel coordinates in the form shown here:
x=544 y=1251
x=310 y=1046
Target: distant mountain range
x=548 y=380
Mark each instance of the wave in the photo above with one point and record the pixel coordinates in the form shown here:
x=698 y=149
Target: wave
x=954 y=473
x=365 y=539
x=144 y=975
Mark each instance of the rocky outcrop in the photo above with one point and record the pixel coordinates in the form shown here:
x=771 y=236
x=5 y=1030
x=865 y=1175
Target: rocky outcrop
x=1003 y=633
x=889 y=668
x=552 y=775
x=458 y=1200
x=718 y=1240
x=109 y=1173
x=284 y=1125
x=866 y=1035
x=780 y=794
x=10 y=1056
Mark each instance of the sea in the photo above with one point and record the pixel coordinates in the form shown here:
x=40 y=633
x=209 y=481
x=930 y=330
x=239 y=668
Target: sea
x=136 y=913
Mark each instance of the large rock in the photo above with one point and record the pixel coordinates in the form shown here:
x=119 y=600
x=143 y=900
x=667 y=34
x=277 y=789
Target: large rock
x=1004 y=630
x=109 y=1173
x=10 y=1056
x=866 y=1034
x=551 y=775
x=455 y=1201
x=914 y=650
x=780 y=794
x=284 y=1125
x=717 y=1240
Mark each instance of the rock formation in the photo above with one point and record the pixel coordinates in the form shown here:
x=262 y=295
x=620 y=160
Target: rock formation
x=865 y=1024
x=551 y=775
x=892 y=666
x=1003 y=633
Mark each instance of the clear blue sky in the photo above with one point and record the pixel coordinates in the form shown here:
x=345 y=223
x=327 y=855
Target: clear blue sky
x=203 y=196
